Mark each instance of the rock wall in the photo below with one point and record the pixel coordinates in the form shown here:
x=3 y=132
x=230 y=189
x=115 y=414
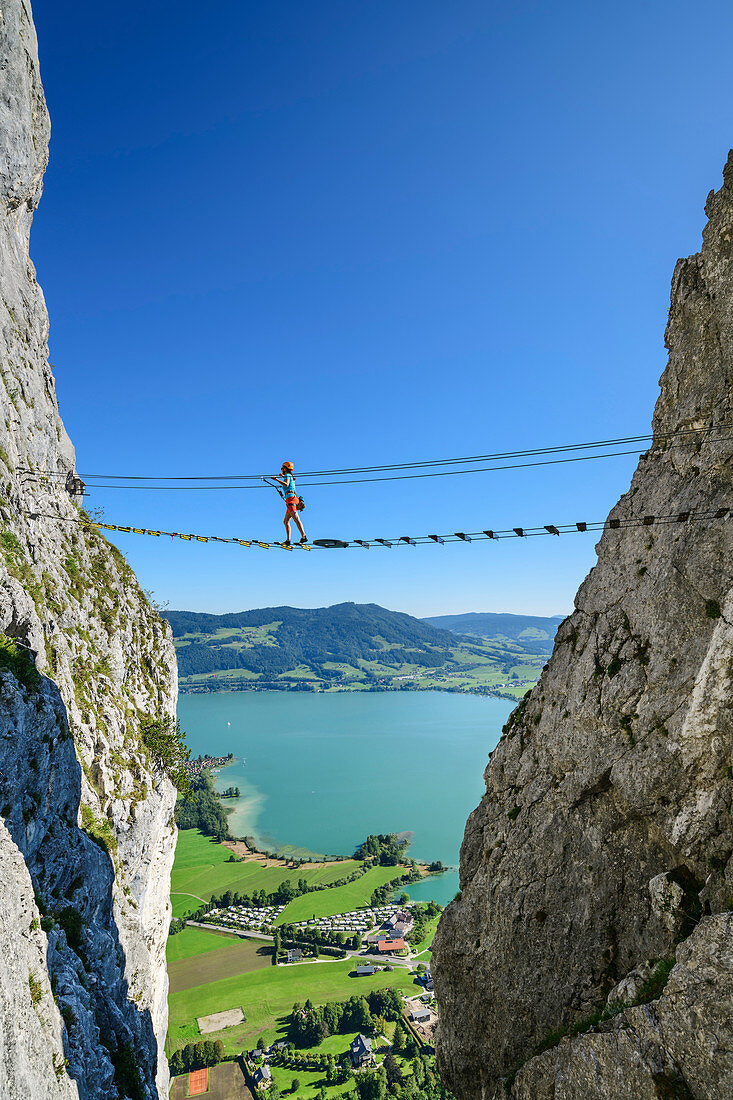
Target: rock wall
x=601 y=851
x=86 y=815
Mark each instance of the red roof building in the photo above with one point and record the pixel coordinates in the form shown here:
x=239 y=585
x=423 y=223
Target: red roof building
x=385 y=946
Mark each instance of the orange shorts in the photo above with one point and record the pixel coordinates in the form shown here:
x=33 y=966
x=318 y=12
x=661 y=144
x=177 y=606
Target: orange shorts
x=292 y=506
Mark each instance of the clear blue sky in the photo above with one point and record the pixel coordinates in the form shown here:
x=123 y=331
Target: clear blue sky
x=355 y=232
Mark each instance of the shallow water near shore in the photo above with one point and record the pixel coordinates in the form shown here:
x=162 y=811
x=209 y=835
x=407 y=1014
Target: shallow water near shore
x=318 y=772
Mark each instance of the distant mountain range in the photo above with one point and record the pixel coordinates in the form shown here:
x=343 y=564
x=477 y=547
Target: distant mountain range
x=535 y=633
x=356 y=647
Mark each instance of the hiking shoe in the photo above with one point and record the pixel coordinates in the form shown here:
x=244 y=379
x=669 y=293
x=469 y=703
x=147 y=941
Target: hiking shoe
x=287 y=543
x=304 y=539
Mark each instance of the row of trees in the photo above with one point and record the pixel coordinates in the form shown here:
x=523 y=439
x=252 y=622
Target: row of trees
x=197 y=1056
x=309 y=1025
x=315 y=937
x=310 y=942
x=290 y=1059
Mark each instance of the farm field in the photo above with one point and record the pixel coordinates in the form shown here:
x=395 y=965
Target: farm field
x=195 y=941
x=267 y=997
x=202 y=869
x=241 y=957
x=339 y=899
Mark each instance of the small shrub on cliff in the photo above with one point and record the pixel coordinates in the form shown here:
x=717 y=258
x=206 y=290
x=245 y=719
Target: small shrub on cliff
x=652 y=988
x=73 y=571
x=165 y=741
x=35 y=987
x=712 y=609
x=98 y=831
x=19 y=661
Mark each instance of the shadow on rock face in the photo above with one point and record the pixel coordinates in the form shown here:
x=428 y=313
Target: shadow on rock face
x=69 y=850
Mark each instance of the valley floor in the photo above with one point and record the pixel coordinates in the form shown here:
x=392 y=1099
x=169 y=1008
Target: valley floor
x=213 y=971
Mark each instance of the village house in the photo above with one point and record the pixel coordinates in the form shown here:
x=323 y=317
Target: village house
x=365 y=969
x=361 y=1051
x=262 y=1078
x=294 y=955
x=389 y=947
x=401 y=921
x=420 y=1015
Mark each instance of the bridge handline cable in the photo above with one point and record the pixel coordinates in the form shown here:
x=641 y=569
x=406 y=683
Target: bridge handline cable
x=374 y=480
x=426 y=464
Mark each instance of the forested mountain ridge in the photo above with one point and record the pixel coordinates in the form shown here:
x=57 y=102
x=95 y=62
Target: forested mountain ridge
x=362 y=618
x=535 y=633
x=354 y=645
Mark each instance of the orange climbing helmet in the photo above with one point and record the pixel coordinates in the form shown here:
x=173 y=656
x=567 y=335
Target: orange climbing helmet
x=288 y=466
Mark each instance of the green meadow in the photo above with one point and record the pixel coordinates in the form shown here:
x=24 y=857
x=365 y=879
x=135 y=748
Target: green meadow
x=195 y=941
x=267 y=996
x=212 y=972
x=339 y=899
x=202 y=870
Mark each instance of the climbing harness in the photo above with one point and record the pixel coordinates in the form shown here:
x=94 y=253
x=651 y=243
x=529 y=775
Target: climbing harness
x=280 y=493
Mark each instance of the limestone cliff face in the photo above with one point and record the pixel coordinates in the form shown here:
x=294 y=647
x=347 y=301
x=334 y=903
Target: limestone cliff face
x=86 y=817
x=603 y=841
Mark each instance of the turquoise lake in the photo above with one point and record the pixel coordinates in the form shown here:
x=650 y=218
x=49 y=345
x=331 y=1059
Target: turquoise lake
x=319 y=772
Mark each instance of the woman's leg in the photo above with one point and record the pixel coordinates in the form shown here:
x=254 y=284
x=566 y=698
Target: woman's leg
x=286 y=521
x=299 y=525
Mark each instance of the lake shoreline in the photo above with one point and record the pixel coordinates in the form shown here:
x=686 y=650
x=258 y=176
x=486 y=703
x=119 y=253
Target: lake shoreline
x=226 y=689
x=330 y=769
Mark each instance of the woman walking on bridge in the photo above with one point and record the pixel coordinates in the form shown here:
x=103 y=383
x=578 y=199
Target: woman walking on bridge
x=287 y=481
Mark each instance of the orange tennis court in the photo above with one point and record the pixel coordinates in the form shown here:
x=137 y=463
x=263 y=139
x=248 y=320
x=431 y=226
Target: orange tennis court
x=198 y=1082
